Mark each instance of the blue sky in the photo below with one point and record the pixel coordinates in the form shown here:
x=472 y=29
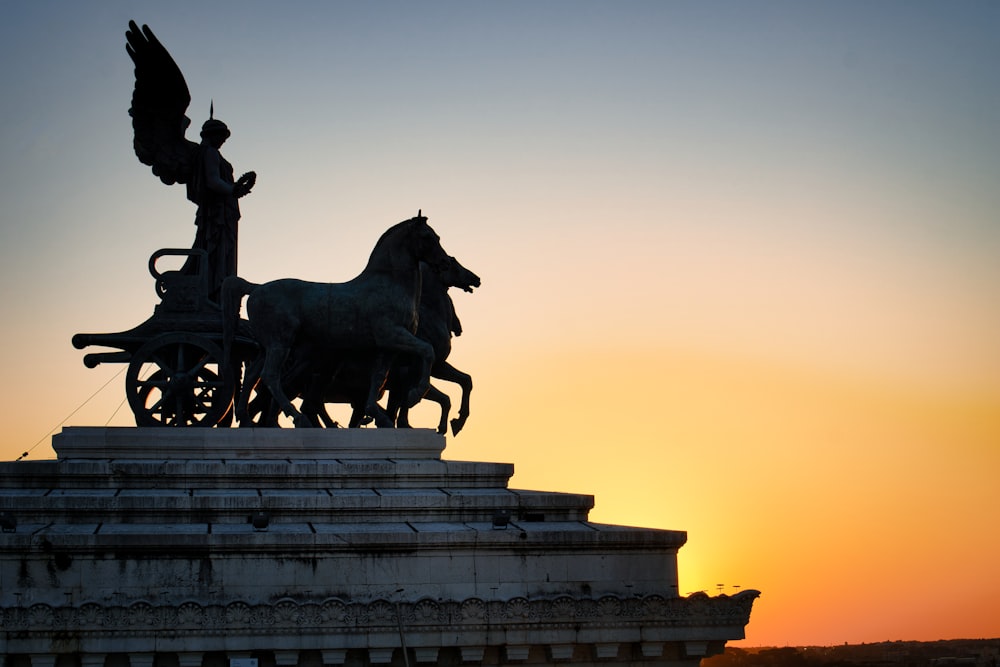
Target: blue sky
x=688 y=217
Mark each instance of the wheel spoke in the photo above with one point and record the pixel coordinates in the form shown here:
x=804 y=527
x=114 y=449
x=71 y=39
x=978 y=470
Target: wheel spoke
x=180 y=357
x=187 y=386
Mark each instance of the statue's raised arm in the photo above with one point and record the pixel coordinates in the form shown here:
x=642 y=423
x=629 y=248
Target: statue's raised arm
x=159 y=106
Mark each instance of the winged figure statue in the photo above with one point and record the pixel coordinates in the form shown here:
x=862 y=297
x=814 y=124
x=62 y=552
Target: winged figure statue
x=159 y=121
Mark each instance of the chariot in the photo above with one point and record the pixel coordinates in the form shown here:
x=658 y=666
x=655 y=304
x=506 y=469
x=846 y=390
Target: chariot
x=177 y=374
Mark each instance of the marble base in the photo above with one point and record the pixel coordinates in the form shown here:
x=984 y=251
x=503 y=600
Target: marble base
x=90 y=442
x=303 y=548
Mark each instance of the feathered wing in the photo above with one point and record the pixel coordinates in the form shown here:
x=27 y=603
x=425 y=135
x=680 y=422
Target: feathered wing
x=159 y=103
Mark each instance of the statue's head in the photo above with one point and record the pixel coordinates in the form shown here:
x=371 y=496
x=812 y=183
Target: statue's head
x=214 y=129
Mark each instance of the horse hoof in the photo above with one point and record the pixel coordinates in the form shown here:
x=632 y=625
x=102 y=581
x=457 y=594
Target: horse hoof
x=456 y=425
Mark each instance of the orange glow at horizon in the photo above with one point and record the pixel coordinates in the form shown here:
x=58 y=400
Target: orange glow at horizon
x=739 y=261
x=812 y=488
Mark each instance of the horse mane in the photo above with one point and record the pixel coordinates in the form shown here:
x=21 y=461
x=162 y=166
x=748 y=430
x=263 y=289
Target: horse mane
x=392 y=231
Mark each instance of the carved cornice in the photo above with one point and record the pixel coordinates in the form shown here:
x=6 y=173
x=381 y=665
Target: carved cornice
x=336 y=615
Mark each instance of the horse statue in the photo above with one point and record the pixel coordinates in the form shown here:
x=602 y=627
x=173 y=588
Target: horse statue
x=322 y=379
x=438 y=322
x=376 y=312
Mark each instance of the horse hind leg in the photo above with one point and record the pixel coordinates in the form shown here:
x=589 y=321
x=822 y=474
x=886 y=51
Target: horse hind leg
x=442 y=399
x=380 y=371
x=358 y=416
x=271 y=376
x=313 y=407
x=250 y=380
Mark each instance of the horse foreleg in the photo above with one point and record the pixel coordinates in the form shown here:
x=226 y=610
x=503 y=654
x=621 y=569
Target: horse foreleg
x=271 y=376
x=445 y=371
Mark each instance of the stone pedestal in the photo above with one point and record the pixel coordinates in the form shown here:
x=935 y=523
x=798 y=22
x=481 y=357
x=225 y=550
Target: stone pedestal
x=189 y=548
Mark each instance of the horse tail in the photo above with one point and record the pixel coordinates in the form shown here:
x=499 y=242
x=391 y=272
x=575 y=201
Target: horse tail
x=234 y=289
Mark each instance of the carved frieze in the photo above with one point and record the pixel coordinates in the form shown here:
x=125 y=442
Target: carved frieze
x=344 y=616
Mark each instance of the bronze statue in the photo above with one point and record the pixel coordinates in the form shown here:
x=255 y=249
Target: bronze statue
x=184 y=361
x=438 y=321
x=375 y=313
x=321 y=378
x=159 y=104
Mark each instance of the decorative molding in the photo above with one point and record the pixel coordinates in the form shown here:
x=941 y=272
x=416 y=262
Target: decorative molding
x=336 y=615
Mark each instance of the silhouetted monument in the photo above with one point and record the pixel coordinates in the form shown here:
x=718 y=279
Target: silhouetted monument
x=268 y=547
x=361 y=337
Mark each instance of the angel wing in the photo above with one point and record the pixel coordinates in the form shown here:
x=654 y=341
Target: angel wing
x=159 y=103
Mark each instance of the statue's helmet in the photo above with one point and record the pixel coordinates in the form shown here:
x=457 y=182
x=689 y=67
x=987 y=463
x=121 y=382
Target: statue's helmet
x=214 y=126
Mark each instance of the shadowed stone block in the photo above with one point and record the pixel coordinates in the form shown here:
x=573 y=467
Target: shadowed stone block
x=606 y=651
x=380 y=656
x=561 y=651
x=696 y=649
x=473 y=653
x=335 y=656
x=516 y=653
x=426 y=653
x=652 y=649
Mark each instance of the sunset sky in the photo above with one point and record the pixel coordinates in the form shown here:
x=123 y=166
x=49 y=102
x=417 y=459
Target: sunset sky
x=740 y=260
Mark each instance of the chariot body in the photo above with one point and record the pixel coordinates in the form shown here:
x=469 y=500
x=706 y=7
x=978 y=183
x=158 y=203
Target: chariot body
x=177 y=374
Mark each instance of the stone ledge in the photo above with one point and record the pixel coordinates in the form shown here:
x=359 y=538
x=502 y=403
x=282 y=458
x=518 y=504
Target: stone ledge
x=311 y=473
x=95 y=442
x=175 y=540
x=226 y=505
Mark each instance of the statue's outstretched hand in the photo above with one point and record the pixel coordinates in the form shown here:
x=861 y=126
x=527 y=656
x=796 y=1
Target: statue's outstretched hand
x=245 y=184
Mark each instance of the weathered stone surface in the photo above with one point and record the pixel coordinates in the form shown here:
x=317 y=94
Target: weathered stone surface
x=155 y=554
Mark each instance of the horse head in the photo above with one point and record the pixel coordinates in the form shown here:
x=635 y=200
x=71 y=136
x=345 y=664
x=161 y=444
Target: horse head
x=425 y=244
x=453 y=274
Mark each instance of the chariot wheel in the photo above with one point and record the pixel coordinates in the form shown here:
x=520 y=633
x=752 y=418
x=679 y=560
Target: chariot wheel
x=178 y=379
